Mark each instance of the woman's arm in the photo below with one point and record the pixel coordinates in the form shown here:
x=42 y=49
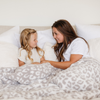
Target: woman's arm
x=63 y=65
x=42 y=59
x=20 y=63
x=35 y=63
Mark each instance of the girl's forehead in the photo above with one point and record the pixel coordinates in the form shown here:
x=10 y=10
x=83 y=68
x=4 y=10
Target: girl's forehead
x=33 y=35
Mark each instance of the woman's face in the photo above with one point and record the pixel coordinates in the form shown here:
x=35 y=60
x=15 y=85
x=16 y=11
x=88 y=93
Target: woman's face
x=57 y=35
x=33 y=40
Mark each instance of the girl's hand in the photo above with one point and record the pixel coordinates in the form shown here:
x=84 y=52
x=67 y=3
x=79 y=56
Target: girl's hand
x=44 y=61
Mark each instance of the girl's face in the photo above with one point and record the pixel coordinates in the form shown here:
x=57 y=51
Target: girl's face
x=33 y=40
x=57 y=35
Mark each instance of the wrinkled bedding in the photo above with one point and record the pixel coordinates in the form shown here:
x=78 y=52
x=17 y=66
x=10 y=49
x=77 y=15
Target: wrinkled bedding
x=59 y=85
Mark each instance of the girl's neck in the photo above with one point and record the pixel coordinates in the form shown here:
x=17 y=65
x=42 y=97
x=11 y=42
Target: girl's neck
x=32 y=48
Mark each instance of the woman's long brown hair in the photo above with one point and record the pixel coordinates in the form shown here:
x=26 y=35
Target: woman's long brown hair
x=24 y=40
x=65 y=28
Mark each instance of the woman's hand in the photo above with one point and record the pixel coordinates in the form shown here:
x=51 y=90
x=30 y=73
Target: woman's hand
x=35 y=63
x=42 y=59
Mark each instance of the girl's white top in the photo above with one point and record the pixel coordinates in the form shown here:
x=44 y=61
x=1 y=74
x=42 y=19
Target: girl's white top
x=23 y=56
x=77 y=46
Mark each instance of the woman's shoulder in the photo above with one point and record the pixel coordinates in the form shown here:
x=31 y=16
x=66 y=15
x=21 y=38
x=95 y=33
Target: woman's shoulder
x=79 y=43
x=78 y=40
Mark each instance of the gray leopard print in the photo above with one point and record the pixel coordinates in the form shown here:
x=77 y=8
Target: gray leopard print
x=30 y=72
x=83 y=75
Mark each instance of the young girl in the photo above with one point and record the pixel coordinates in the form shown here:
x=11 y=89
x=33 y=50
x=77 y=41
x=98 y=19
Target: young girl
x=29 y=53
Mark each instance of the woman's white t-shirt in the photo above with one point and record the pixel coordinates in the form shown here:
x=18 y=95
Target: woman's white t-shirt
x=23 y=56
x=77 y=46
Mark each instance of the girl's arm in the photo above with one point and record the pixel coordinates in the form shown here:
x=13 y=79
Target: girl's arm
x=42 y=59
x=20 y=63
x=64 y=65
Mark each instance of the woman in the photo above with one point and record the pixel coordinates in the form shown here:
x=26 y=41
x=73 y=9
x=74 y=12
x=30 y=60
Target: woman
x=69 y=47
x=81 y=71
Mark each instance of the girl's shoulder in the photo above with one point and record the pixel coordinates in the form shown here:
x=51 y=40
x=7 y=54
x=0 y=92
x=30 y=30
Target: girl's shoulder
x=22 y=50
x=40 y=51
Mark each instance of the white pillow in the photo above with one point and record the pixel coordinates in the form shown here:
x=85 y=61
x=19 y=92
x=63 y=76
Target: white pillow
x=45 y=36
x=94 y=45
x=49 y=52
x=88 y=31
x=11 y=36
x=8 y=55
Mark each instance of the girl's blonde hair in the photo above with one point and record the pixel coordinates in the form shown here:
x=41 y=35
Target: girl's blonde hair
x=24 y=41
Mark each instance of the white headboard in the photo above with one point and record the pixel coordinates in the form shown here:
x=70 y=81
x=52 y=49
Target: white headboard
x=37 y=28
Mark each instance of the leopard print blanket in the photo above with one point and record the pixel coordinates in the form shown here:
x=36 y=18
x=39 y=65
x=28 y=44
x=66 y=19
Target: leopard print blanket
x=79 y=81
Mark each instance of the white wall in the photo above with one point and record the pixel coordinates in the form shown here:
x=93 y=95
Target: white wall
x=45 y=12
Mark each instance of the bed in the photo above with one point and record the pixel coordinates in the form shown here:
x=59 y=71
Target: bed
x=42 y=88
